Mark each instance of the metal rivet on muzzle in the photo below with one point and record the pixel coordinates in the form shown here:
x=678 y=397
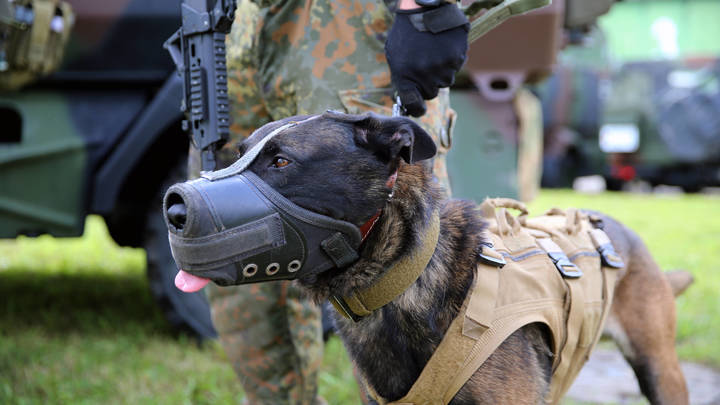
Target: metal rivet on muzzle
x=294 y=266
x=250 y=270
x=272 y=268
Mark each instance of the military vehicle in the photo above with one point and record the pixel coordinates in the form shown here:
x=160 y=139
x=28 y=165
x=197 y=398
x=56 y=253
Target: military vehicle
x=660 y=124
x=100 y=135
x=645 y=107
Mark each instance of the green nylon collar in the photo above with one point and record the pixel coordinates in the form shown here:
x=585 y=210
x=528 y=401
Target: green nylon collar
x=393 y=282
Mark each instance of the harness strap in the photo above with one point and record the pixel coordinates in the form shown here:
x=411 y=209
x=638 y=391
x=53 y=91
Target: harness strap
x=472 y=337
x=602 y=243
x=394 y=282
x=576 y=311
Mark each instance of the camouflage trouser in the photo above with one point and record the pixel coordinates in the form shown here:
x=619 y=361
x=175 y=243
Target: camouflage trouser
x=299 y=57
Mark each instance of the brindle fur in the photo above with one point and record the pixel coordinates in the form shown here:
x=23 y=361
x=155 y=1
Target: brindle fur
x=340 y=165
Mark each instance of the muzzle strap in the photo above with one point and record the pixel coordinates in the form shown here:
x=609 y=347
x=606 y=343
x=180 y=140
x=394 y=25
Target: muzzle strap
x=339 y=250
x=220 y=249
x=249 y=156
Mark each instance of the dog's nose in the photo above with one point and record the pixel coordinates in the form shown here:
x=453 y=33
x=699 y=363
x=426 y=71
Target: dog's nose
x=177 y=215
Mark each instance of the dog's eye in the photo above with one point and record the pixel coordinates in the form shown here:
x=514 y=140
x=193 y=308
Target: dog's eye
x=280 y=162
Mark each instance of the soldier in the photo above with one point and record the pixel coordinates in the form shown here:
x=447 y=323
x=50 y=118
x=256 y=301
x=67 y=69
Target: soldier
x=299 y=57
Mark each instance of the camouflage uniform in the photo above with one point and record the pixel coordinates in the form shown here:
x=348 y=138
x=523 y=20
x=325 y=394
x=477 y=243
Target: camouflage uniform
x=287 y=58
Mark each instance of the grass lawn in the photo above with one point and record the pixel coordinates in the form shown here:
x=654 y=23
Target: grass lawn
x=78 y=326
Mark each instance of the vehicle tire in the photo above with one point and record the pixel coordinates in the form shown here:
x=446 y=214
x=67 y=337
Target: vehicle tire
x=187 y=313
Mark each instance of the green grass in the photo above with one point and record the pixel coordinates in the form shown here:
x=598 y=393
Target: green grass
x=78 y=326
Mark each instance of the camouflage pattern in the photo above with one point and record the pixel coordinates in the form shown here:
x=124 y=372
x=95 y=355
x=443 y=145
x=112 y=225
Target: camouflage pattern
x=53 y=204
x=288 y=58
x=273 y=337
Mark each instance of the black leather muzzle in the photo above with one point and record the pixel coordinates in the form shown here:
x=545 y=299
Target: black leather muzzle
x=233 y=228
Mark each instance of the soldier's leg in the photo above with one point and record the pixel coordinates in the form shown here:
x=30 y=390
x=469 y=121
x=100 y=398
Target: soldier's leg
x=271 y=335
x=273 y=338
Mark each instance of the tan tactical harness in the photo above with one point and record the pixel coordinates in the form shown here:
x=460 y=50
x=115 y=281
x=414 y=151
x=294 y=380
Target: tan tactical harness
x=558 y=270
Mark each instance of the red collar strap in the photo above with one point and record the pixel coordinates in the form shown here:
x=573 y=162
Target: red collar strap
x=368 y=226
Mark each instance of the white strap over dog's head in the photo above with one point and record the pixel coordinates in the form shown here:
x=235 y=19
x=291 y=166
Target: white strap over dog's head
x=241 y=164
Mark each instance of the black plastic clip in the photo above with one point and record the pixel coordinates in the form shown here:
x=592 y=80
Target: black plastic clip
x=608 y=255
x=567 y=268
x=564 y=265
x=491 y=257
x=344 y=309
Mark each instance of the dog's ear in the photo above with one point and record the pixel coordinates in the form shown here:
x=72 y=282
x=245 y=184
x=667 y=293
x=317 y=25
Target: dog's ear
x=392 y=136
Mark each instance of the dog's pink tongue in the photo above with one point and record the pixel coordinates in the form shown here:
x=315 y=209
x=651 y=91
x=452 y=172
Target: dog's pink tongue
x=188 y=283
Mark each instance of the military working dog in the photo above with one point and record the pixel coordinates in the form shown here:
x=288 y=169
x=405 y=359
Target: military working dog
x=358 y=167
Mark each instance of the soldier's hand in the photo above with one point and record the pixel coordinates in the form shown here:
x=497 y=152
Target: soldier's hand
x=425 y=48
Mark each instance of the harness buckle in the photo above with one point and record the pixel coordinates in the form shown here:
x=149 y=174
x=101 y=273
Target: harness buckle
x=567 y=268
x=491 y=257
x=342 y=307
x=610 y=258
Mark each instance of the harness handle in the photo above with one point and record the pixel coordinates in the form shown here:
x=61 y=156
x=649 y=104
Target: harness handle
x=507 y=224
x=573 y=219
x=490 y=204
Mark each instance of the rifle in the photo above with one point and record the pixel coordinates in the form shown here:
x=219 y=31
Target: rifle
x=198 y=50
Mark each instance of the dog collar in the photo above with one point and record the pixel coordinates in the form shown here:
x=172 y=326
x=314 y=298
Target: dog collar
x=398 y=278
x=368 y=226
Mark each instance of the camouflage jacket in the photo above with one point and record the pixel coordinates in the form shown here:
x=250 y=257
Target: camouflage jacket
x=303 y=57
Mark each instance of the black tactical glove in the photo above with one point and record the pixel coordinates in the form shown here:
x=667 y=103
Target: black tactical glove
x=425 y=48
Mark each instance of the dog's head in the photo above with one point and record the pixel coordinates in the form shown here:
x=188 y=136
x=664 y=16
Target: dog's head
x=294 y=203
x=338 y=165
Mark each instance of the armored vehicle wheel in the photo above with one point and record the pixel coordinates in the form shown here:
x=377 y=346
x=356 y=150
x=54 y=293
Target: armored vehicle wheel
x=189 y=313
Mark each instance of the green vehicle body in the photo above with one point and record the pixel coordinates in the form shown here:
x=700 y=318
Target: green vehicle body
x=48 y=203
x=674 y=107
x=71 y=129
x=102 y=135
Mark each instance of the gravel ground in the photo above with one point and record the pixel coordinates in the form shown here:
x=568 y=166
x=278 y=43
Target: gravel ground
x=608 y=379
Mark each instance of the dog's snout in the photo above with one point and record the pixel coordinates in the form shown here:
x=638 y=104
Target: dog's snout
x=177 y=215
x=176 y=211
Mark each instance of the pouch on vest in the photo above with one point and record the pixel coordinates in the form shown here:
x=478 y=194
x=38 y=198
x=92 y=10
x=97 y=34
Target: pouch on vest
x=33 y=35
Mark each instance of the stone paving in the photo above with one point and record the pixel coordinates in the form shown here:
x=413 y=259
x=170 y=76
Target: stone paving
x=608 y=379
